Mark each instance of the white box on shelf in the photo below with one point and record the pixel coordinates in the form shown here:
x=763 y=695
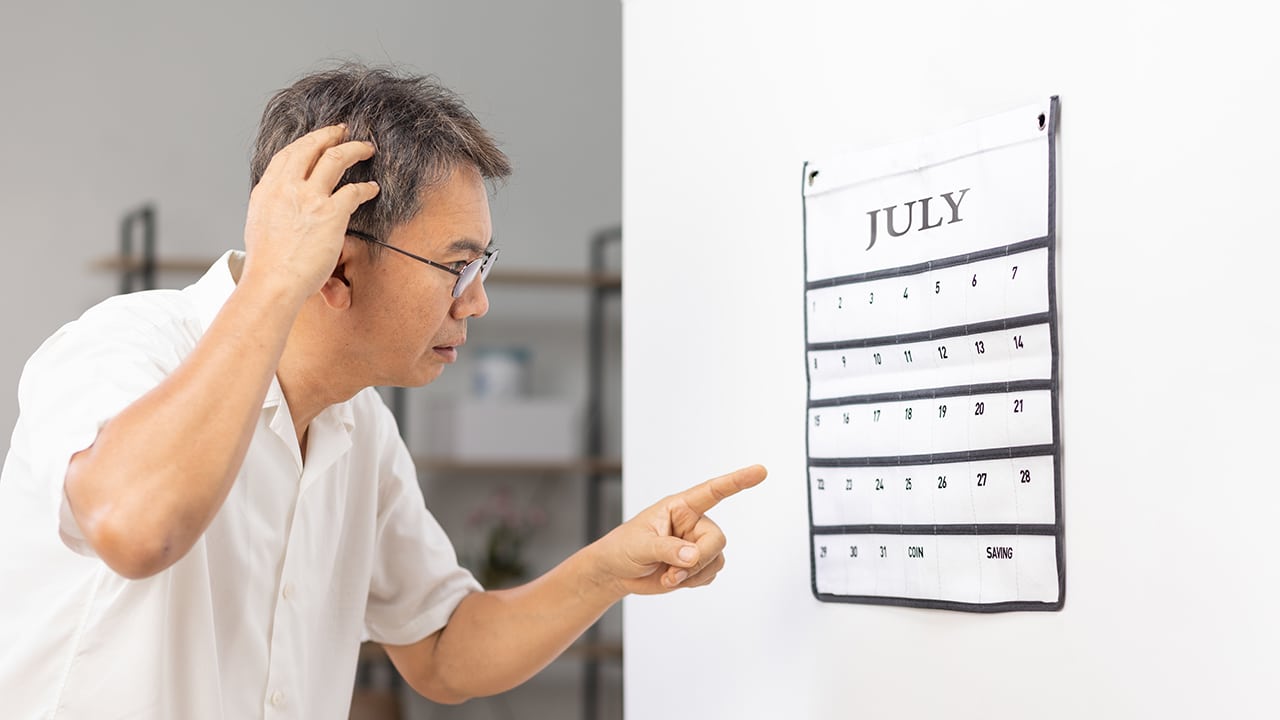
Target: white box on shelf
x=503 y=430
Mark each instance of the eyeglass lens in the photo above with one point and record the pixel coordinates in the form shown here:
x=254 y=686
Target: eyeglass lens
x=480 y=266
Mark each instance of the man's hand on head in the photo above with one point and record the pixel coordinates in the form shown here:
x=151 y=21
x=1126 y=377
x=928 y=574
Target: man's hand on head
x=297 y=223
x=673 y=544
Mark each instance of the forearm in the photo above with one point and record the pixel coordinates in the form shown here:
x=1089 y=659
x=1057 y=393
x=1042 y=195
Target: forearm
x=498 y=639
x=157 y=473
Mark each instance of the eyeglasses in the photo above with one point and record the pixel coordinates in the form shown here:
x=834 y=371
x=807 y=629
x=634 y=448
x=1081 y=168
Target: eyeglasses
x=478 y=267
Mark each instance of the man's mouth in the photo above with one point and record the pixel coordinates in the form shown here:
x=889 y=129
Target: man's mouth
x=449 y=353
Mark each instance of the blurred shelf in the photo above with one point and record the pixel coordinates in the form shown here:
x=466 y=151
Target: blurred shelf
x=551 y=278
x=599 y=651
x=537 y=278
x=372 y=652
x=116 y=263
x=589 y=466
x=591 y=651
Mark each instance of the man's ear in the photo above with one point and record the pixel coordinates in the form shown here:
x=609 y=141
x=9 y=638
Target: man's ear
x=336 y=291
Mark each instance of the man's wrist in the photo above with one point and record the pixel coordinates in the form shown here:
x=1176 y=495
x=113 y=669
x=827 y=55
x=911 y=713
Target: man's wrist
x=599 y=583
x=271 y=294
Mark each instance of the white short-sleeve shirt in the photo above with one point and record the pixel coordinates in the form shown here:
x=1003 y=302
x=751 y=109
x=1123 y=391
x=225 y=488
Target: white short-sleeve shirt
x=264 y=616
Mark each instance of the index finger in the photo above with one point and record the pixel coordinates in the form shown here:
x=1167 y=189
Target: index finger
x=703 y=497
x=298 y=157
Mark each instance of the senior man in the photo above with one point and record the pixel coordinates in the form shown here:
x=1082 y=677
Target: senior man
x=206 y=506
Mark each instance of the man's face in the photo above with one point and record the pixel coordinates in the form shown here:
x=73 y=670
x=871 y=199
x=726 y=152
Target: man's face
x=411 y=324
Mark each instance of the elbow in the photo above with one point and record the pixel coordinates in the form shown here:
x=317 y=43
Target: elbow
x=422 y=669
x=128 y=548
x=445 y=698
x=127 y=535
x=437 y=690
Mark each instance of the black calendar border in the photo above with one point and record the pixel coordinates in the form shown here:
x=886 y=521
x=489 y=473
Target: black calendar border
x=1008 y=386
x=984 y=608
x=1058 y=529
x=1056 y=395
x=1022 y=246
x=938 y=529
x=959 y=456
x=1010 y=323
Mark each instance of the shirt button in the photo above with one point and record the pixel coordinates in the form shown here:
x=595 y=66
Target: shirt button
x=288 y=591
x=277 y=698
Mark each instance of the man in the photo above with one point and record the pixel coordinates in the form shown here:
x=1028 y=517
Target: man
x=205 y=506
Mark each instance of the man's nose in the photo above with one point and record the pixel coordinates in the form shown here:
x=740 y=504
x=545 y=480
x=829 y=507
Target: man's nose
x=473 y=302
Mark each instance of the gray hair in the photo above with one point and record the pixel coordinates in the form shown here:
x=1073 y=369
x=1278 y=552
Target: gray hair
x=421 y=131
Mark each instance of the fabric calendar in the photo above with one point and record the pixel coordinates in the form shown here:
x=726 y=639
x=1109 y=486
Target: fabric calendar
x=931 y=321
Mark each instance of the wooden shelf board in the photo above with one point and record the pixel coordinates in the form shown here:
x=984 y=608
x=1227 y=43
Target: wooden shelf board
x=116 y=263
x=543 y=278
x=372 y=652
x=595 y=651
x=551 y=278
x=611 y=466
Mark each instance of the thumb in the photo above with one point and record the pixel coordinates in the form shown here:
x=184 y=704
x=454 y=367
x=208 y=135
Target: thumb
x=673 y=551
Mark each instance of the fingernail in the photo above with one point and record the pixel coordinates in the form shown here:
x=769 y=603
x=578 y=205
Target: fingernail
x=680 y=576
x=688 y=553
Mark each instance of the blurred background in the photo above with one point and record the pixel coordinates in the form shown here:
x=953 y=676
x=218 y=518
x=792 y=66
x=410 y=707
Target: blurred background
x=112 y=107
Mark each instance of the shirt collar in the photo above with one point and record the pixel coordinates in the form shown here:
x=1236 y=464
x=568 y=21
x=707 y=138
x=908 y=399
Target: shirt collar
x=333 y=426
x=210 y=292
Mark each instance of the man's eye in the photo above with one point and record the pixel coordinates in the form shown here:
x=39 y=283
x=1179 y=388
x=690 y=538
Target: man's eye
x=458 y=265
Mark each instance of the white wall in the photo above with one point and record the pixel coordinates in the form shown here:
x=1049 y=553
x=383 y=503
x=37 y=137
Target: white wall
x=1168 y=331
x=109 y=105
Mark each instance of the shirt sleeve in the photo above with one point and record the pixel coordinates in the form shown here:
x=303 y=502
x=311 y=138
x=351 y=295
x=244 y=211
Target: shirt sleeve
x=416 y=582
x=80 y=378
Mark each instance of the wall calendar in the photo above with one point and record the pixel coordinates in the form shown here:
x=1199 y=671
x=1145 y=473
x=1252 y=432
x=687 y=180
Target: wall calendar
x=931 y=321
